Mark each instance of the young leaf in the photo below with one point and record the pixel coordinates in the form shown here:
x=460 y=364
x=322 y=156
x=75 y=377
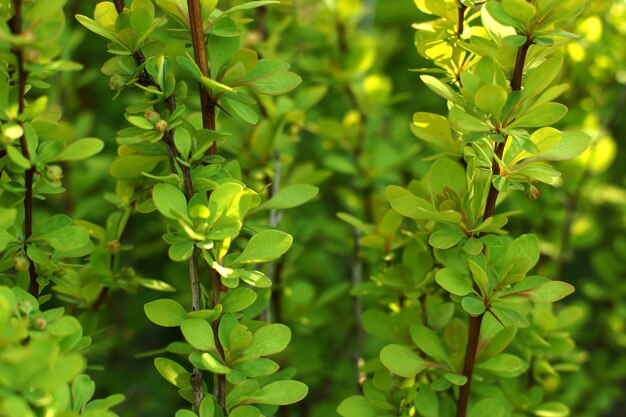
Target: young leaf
x=265 y=246
x=199 y=334
x=289 y=197
x=169 y=200
x=268 y=340
x=428 y=342
x=165 y=312
x=238 y=299
x=454 y=282
x=173 y=372
x=402 y=361
x=491 y=407
x=280 y=393
x=81 y=149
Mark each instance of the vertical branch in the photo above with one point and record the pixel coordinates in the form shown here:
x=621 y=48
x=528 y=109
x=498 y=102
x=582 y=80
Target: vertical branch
x=16 y=29
x=207 y=106
x=461 y=19
x=475 y=322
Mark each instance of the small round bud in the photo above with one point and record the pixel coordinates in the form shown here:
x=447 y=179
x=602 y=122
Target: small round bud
x=533 y=192
x=117 y=82
x=152 y=116
x=40 y=323
x=114 y=247
x=31 y=56
x=161 y=125
x=54 y=173
x=253 y=39
x=21 y=263
x=199 y=211
x=28 y=37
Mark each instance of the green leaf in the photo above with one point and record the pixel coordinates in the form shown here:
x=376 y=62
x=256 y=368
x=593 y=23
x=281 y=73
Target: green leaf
x=250 y=5
x=17 y=158
x=68 y=238
x=441 y=89
x=447 y=174
x=280 y=393
x=289 y=197
x=542 y=76
x=173 y=372
x=551 y=409
x=268 y=340
x=96 y=28
x=238 y=300
x=491 y=407
x=169 y=200
x=127 y=167
x=473 y=305
x=445 y=238
x=426 y=401
x=504 y=365
x=454 y=282
x=185 y=413
x=208 y=362
x=456 y=379
x=257 y=367
x=65 y=326
x=105 y=15
x=542 y=115
x=81 y=149
x=245 y=411
x=274 y=83
x=356 y=406
x=417 y=208
x=490 y=98
x=402 y=361
x=432 y=128
x=199 y=334
x=83 y=389
x=428 y=342
x=550 y=292
x=165 y=312
x=265 y=246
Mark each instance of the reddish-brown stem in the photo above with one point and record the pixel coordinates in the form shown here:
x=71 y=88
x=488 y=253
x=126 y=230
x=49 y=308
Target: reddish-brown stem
x=461 y=19
x=492 y=197
x=16 y=29
x=468 y=365
x=207 y=106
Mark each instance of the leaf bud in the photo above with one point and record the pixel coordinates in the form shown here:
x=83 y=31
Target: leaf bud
x=152 y=116
x=161 y=125
x=31 y=56
x=21 y=263
x=54 y=173
x=533 y=192
x=114 y=246
x=117 y=82
x=253 y=39
x=40 y=323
